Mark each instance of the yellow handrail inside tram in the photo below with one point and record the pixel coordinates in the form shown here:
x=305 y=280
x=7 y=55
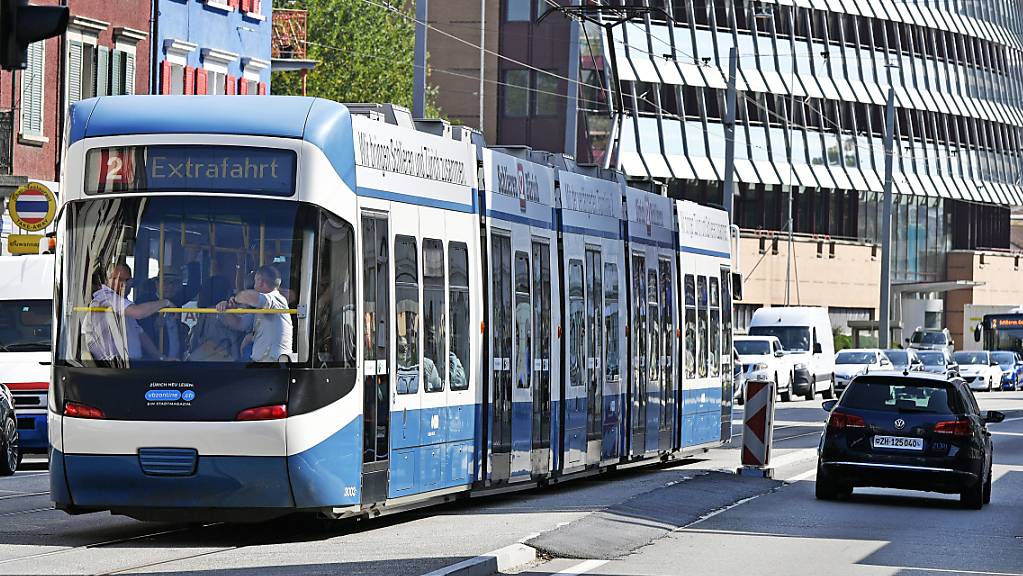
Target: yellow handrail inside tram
x=199 y=310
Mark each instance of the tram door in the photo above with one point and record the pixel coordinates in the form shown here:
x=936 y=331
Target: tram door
x=640 y=382
x=376 y=404
x=595 y=356
x=541 y=278
x=501 y=361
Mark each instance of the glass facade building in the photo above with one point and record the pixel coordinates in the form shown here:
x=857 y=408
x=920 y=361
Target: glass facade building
x=813 y=81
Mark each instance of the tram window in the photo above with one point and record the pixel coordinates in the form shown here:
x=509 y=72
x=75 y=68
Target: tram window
x=334 y=328
x=726 y=313
x=667 y=333
x=690 y=339
x=594 y=320
x=406 y=297
x=523 y=322
x=169 y=248
x=715 y=329
x=613 y=363
x=701 y=325
x=458 y=312
x=434 y=338
x=576 y=322
x=639 y=322
x=654 y=325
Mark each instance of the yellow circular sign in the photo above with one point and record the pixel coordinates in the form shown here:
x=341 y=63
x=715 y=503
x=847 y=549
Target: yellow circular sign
x=32 y=207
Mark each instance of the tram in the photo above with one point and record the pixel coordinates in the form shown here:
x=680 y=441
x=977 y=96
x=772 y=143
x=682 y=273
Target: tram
x=279 y=304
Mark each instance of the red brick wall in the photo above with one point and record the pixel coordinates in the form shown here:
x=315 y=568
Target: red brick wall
x=41 y=162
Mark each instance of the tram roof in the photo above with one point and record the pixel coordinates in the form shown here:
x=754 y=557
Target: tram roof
x=323 y=123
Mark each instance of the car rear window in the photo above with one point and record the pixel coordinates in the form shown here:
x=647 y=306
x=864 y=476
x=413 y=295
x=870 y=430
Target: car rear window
x=901 y=395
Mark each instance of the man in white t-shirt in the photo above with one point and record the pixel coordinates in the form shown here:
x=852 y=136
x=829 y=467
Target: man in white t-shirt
x=271 y=332
x=112 y=330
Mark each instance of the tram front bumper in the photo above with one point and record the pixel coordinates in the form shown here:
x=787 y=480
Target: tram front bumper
x=119 y=483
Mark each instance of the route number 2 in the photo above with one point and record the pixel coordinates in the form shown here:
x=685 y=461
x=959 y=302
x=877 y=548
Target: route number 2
x=114 y=165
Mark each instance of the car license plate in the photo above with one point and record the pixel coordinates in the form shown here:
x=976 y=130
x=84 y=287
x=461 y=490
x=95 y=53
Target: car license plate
x=898 y=443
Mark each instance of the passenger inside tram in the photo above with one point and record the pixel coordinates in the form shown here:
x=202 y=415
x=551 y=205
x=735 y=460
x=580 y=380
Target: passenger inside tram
x=211 y=339
x=112 y=331
x=271 y=333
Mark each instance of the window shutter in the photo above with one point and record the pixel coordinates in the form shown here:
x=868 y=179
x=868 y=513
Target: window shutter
x=74 y=73
x=32 y=91
x=200 y=81
x=243 y=86
x=256 y=5
x=233 y=4
x=129 y=73
x=103 y=71
x=246 y=6
x=189 y=80
x=165 y=77
x=231 y=85
x=116 y=72
x=261 y=90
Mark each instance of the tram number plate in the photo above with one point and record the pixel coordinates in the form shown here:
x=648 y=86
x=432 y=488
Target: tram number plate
x=898 y=443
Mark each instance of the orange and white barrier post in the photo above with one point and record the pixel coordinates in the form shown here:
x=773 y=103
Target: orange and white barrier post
x=758 y=429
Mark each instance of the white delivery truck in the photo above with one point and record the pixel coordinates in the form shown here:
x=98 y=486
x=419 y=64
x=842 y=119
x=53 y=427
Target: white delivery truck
x=805 y=333
x=26 y=318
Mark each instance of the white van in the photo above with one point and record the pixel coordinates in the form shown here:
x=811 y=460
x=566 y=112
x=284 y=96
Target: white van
x=805 y=332
x=26 y=317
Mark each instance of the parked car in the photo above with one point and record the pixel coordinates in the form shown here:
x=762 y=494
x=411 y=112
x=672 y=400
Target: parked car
x=979 y=369
x=914 y=431
x=931 y=340
x=939 y=362
x=904 y=360
x=10 y=453
x=805 y=333
x=853 y=362
x=738 y=378
x=764 y=359
x=1011 y=367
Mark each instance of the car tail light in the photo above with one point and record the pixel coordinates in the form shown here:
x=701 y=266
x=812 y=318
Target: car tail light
x=79 y=410
x=840 y=420
x=275 y=412
x=953 y=427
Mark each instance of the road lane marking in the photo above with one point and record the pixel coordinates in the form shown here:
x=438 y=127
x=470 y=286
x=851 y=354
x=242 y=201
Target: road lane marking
x=23 y=495
x=804 y=476
x=1007 y=433
x=1012 y=419
x=792 y=457
x=950 y=571
x=582 y=567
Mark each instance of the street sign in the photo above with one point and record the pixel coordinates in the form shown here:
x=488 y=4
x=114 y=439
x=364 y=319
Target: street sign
x=32 y=207
x=24 y=243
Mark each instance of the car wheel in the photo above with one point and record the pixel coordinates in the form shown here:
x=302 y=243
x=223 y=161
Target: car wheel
x=973 y=496
x=786 y=396
x=826 y=488
x=987 y=489
x=813 y=388
x=829 y=394
x=10 y=455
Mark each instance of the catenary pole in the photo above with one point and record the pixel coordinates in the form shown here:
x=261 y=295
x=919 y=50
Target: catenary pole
x=730 y=105
x=419 y=74
x=884 y=327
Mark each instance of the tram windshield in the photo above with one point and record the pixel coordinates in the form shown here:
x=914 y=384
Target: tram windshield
x=184 y=280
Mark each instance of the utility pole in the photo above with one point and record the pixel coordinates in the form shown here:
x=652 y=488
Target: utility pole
x=730 y=105
x=419 y=74
x=483 y=55
x=884 y=326
x=572 y=104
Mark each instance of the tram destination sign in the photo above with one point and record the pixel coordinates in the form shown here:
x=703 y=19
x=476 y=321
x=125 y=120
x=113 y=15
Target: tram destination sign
x=172 y=168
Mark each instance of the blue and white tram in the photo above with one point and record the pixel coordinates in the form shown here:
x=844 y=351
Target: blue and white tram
x=270 y=305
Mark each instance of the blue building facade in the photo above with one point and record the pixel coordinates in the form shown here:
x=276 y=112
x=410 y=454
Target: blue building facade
x=211 y=47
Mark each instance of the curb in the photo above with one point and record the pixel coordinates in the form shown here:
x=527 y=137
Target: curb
x=489 y=563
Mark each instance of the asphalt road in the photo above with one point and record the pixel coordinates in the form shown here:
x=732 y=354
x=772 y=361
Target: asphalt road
x=876 y=532
x=663 y=520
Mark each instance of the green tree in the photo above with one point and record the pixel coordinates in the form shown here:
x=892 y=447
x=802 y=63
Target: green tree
x=364 y=52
